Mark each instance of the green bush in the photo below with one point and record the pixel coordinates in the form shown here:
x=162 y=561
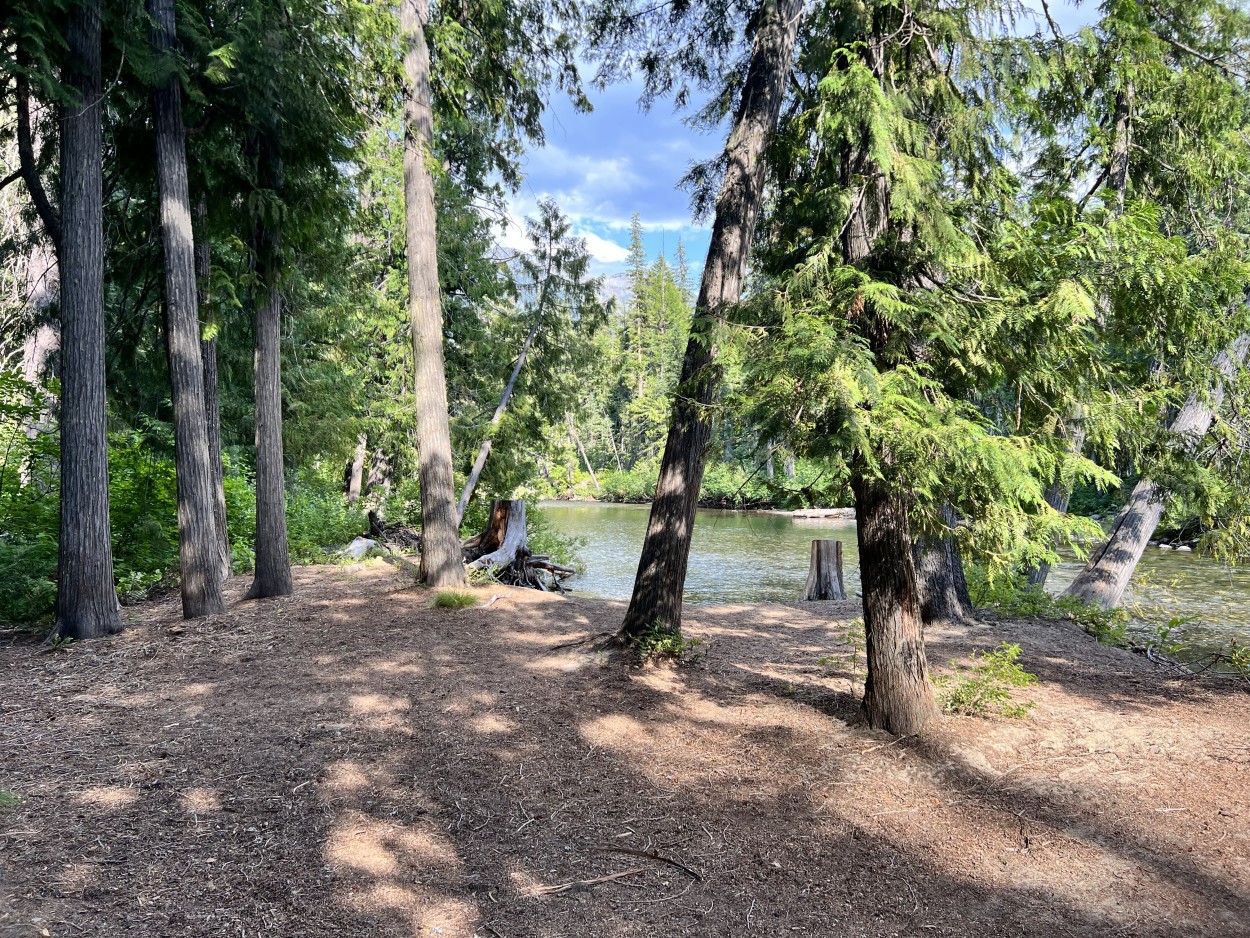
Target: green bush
x=1014 y=597
x=988 y=685
x=318 y=519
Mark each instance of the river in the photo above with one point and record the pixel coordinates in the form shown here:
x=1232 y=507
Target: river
x=747 y=556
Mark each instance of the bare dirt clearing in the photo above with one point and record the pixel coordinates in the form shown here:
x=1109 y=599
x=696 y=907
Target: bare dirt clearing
x=350 y=761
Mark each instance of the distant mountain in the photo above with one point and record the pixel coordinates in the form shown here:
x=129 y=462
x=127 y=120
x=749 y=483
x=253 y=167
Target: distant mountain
x=615 y=285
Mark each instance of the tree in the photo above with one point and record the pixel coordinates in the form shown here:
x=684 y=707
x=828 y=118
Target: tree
x=1139 y=94
x=889 y=313
x=86 y=600
x=656 y=601
x=441 y=560
x=559 y=301
x=200 y=562
x=212 y=391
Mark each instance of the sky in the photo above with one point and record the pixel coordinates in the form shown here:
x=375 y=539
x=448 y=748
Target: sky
x=602 y=167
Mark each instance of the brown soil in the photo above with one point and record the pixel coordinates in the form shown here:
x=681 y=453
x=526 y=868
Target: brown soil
x=353 y=762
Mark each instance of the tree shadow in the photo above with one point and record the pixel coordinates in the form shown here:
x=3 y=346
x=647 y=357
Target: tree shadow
x=351 y=761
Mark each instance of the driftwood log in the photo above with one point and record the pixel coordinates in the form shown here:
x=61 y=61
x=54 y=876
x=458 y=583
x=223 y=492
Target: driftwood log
x=503 y=549
x=824 y=576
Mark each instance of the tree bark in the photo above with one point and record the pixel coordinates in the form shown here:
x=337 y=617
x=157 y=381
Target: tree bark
x=212 y=395
x=940 y=577
x=29 y=167
x=898 y=697
x=480 y=462
x=198 y=546
x=661 y=578
x=441 y=562
x=86 y=604
x=1107 y=573
x=273 y=558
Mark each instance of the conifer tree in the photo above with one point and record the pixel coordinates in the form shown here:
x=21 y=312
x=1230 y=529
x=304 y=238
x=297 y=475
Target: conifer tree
x=86 y=599
x=656 y=601
x=200 y=580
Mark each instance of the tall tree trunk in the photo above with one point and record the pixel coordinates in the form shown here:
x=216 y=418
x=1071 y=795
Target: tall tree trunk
x=86 y=602
x=212 y=393
x=273 y=558
x=788 y=466
x=484 y=450
x=1107 y=573
x=898 y=697
x=356 y=469
x=442 y=563
x=657 y=595
x=198 y=547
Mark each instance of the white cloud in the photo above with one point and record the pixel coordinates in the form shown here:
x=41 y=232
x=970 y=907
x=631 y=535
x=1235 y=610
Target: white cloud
x=603 y=250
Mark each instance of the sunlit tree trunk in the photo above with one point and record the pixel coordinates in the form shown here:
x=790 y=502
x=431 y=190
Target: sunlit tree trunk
x=198 y=546
x=212 y=394
x=86 y=605
x=441 y=561
x=657 y=595
x=1110 y=568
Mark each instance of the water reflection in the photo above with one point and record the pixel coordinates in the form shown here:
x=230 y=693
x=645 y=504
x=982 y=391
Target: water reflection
x=744 y=556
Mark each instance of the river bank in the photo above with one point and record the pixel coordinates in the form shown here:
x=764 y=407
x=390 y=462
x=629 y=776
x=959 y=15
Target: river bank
x=353 y=761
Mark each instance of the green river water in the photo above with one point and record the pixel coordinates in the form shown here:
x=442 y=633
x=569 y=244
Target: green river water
x=745 y=556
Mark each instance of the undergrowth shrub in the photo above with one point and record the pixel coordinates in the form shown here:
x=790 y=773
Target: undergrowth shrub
x=1013 y=597
x=657 y=643
x=988 y=685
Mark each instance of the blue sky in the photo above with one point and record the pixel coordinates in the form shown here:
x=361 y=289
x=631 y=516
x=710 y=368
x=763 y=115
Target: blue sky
x=602 y=167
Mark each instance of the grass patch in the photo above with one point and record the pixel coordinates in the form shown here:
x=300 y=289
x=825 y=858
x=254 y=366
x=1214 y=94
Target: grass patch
x=8 y=800
x=988 y=686
x=455 y=599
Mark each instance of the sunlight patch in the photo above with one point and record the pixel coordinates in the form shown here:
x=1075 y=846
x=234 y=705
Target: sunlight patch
x=201 y=800
x=112 y=797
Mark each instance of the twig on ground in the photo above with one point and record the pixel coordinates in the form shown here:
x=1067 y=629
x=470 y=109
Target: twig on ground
x=584 y=883
x=650 y=855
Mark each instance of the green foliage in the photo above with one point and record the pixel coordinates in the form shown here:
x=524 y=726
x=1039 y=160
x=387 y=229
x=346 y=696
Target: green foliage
x=1239 y=659
x=8 y=799
x=1011 y=595
x=545 y=539
x=455 y=599
x=657 y=643
x=988 y=685
x=319 y=520
x=853 y=661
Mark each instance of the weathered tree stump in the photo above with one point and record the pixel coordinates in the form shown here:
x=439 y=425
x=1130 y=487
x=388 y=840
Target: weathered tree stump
x=503 y=549
x=824 y=576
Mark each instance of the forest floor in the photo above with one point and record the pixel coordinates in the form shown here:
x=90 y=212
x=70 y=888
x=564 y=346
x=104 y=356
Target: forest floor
x=352 y=761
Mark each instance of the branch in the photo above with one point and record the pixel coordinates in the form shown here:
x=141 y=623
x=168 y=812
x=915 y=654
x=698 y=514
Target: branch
x=29 y=170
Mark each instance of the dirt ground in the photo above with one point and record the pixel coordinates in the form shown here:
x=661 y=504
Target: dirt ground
x=351 y=761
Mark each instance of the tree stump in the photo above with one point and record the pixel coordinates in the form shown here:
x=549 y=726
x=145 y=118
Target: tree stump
x=824 y=576
x=503 y=549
